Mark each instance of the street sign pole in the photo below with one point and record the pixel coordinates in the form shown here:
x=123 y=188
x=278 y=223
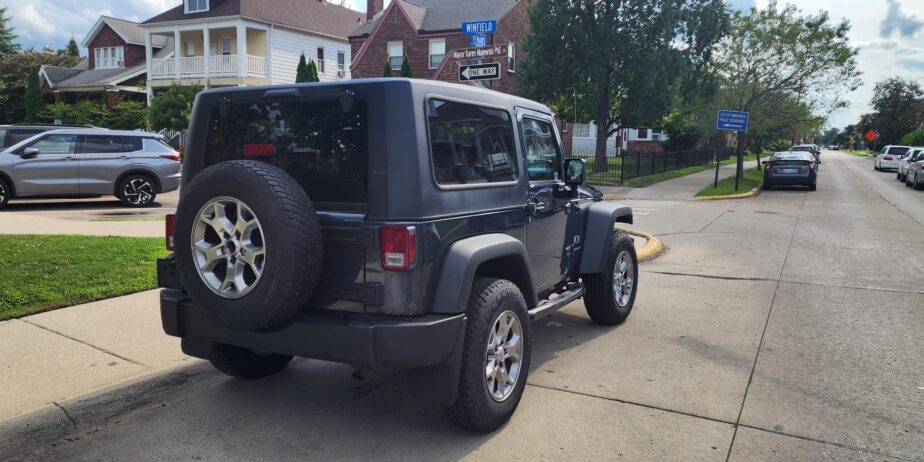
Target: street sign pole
x=737 y=122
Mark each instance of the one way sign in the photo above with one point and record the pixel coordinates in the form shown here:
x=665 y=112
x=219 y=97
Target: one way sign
x=490 y=71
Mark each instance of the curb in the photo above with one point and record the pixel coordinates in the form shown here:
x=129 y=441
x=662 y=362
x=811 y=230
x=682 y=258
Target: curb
x=652 y=248
x=24 y=434
x=752 y=193
x=614 y=197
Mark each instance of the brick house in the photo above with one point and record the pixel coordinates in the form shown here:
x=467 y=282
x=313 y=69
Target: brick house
x=427 y=31
x=114 y=68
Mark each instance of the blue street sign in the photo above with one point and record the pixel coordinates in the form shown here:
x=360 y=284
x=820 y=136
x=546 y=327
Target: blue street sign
x=479 y=40
x=479 y=27
x=734 y=121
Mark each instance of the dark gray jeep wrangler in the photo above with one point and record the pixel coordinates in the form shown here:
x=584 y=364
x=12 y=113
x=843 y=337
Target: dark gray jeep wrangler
x=386 y=223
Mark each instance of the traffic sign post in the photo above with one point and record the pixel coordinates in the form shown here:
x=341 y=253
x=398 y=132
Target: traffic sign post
x=733 y=121
x=472 y=72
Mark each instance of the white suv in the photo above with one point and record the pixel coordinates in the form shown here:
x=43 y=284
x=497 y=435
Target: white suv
x=890 y=157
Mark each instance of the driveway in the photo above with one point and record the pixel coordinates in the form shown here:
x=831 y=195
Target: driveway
x=783 y=327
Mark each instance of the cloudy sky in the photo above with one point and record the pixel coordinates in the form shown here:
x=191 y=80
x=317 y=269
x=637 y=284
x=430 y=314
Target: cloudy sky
x=889 y=33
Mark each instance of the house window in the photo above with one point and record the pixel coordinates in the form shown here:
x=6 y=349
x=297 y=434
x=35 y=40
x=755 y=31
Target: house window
x=197 y=6
x=581 y=131
x=396 y=54
x=642 y=134
x=341 y=61
x=190 y=49
x=437 y=52
x=511 y=57
x=320 y=60
x=656 y=134
x=226 y=46
x=109 y=57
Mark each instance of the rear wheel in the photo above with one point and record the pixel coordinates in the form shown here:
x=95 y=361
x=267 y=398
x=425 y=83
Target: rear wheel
x=137 y=191
x=917 y=182
x=813 y=187
x=247 y=364
x=495 y=357
x=611 y=294
x=898 y=176
x=5 y=193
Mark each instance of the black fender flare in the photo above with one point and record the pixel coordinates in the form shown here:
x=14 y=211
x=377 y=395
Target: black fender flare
x=601 y=218
x=463 y=260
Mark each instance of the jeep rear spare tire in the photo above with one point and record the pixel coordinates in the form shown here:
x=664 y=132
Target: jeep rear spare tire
x=248 y=244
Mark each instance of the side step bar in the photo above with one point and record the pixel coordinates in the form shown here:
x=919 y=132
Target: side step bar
x=574 y=292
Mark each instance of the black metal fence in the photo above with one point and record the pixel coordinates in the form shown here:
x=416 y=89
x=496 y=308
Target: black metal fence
x=633 y=165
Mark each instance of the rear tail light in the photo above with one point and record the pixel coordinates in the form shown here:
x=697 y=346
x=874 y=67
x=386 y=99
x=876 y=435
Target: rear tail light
x=170 y=230
x=173 y=157
x=259 y=150
x=887 y=158
x=399 y=248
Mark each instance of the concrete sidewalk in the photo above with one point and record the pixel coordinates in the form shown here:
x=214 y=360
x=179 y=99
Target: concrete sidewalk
x=677 y=189
x=73 y=351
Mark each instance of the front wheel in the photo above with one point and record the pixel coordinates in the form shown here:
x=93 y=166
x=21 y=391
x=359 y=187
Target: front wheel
x=495 y=357
x=611 y=294
x=137 y=191
x=243 y=363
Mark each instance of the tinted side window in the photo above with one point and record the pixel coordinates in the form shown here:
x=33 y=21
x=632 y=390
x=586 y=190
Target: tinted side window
x=155 y=146
x=471 y=144
x=17 y=134
x=96 y=144
x=541 y=150
x=324 y=148
x=3 y=138
x=134 y=143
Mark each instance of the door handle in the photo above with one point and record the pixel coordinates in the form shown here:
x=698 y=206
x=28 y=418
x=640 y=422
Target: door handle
x=536 y=207
x=70 y=158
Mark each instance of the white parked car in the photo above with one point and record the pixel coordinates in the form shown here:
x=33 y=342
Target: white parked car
x=915 y=177
x=890 y=157
x=914 y=154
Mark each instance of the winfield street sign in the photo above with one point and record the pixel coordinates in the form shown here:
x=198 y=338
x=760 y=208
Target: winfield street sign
x=734 y=121
x=489 y=71
x=479 y=27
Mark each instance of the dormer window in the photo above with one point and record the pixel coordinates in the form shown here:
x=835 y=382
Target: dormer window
x=197 y=6
x=109 y=57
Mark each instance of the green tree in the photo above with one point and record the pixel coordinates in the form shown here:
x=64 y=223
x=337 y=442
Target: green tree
x=387 y=72
x=915 y=138
x=8 y=43
x=301 y=72
x=172 y=109
x=778 y=54
x=313 y=72
x=73 y=49
x=899 y=109
x=33 y=96
x=619 y=61
x=14 y=71
x=406 y=68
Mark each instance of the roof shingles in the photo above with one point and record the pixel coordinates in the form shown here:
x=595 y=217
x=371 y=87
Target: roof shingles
x=442 y=15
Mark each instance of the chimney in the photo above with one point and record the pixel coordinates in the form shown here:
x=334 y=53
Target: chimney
x=373 y=7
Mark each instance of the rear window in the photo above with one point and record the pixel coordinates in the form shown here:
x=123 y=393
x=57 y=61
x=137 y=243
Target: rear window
x=898 y=151
x=17 y=134
x=324 y=148
x=787 y=156
x=470 y=144
x=154 y=146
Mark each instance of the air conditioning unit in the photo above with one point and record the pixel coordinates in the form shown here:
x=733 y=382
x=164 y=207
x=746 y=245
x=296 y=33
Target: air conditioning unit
x=120 y=64
x=341 y=73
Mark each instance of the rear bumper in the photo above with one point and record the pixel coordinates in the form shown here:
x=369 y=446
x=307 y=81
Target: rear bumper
x=888 y=164
x=170 y=183
x=364 y=341
x=795 y=180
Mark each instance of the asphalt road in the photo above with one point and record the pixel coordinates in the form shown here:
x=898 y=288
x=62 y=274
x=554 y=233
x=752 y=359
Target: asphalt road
x=783 y=327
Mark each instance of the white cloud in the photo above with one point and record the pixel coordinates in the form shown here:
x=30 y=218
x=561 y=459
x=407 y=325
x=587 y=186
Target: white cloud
x=899 y=22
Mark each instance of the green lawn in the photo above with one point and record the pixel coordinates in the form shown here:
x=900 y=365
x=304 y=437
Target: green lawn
x=859 y=152
x=44 y=272
x=752 y=179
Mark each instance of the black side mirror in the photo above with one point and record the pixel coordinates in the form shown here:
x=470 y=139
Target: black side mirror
x=765 y=162
x=29 y=153
x=575 y=172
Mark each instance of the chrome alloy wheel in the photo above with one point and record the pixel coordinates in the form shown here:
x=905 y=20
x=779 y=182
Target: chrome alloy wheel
x=2 y=192
x=228 y=247
x=623 y=278
x=504 y=356
x=138 y=191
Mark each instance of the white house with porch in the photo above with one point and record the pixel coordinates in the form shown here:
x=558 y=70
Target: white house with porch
x=248 y=42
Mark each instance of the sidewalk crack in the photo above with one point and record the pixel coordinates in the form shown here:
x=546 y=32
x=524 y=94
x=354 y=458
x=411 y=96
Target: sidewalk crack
x=69 y=418
x=123 y=358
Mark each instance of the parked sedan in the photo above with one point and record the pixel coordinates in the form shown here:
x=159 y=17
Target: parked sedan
x=791 y=168
x=915 y=177
x=82 y=162
x=807 y=148
x=914 y=154
x=890 y=157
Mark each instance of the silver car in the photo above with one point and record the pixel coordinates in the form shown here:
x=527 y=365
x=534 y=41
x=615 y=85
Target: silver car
x=914 y=154
x=80 y=162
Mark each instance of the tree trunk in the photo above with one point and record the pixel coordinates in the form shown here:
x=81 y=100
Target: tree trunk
x=739 y=172
x=603 y=124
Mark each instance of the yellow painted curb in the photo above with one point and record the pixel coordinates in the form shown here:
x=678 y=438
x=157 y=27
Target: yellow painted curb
x=652 y=248
x=752 y=193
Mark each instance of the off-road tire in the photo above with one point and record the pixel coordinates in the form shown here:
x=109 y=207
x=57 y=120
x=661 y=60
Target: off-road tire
x=6 y=192
x=474 y=408
x=600 y=299
x=243 y=363
x=290 y=232
x=127 y=201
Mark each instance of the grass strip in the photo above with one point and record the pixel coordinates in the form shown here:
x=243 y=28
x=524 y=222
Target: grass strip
x=43 y=272
x=752 y=179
